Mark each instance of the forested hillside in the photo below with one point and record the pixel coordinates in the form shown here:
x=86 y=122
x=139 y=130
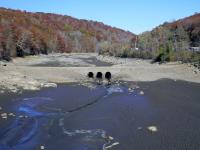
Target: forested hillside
x=192 y=26
x=24 y=33
x=173 y=41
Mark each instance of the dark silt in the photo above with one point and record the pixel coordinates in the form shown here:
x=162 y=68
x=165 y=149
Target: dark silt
x=74 y=117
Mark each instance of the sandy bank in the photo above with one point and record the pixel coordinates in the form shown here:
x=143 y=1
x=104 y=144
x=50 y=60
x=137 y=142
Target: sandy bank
x=19 y=74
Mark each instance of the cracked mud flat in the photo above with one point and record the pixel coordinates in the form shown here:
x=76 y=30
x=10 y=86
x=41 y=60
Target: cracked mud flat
x=73 y=117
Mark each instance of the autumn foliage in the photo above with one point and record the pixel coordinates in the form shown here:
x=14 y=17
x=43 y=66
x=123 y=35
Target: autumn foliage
x=192 y=27
x=172 y=41
x=24 y=33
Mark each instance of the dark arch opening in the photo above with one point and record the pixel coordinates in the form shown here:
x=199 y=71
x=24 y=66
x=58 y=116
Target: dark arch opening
x=90 y=75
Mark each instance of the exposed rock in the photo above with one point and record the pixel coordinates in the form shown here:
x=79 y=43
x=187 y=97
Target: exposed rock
x=11 y=114
x=137 y=87
x=141 y=93
x=152 y=128
x=1 y=91
x=49 y=85
x=196 y=71
x=131 y=90
x=112 y=145
x=110 y=138
x=4 y=115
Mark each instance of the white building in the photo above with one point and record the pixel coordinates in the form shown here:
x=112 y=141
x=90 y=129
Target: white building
x=195 y=49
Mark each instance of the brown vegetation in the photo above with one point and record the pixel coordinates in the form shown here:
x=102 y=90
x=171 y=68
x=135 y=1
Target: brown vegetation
x=172 y=41
x=24 y=33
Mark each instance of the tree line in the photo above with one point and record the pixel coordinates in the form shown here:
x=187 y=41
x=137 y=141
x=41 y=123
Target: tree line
x=23 y=33
x=167 y=42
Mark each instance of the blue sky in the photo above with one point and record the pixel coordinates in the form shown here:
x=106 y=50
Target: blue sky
x=133 y=15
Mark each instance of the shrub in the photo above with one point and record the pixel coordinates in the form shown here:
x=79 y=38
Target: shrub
x=164 y=54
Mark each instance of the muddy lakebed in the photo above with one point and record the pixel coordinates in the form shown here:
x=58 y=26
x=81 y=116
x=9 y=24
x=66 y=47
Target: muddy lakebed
x=65 y=60
x=159 y=115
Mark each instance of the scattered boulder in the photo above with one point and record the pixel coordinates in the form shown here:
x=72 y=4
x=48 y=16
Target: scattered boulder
x=131 y=90
x=110 y=146
x=195 y=71
x=1 y=92
x=4 y=115
x=11 y=114
x=196 y=65
x=110 y=138
x=42 y=147
x=152 y=128
x=141 y=93
x=46 y=85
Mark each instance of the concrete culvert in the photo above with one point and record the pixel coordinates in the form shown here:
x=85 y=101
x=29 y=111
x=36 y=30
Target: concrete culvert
x=90 y=75
x=99 y=76
x=108 y=76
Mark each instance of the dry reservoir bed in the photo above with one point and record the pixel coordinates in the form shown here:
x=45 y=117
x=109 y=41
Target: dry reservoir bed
x=35 y=72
